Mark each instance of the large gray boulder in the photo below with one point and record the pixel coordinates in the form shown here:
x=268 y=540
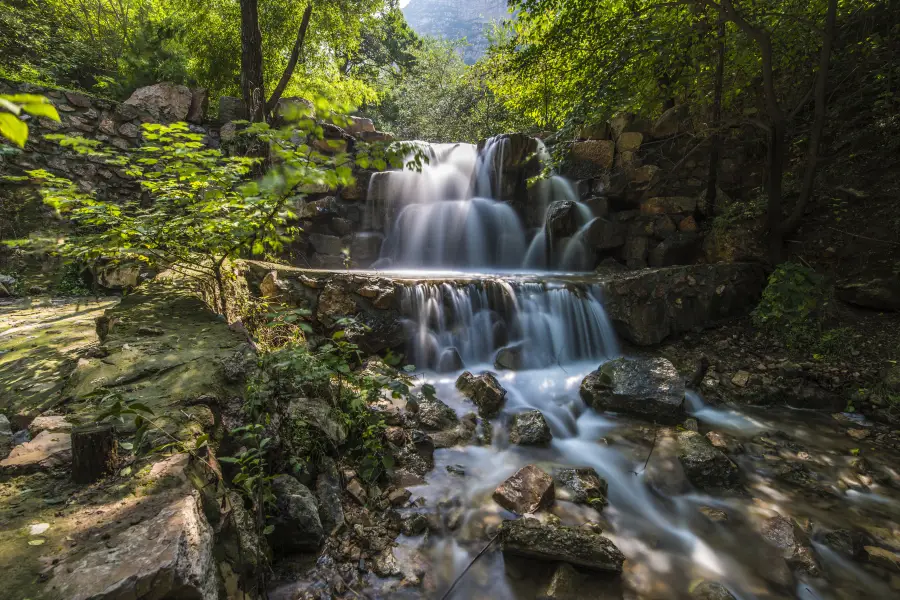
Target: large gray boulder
x=647 y=388
x=165 y=101
x=706 y=466
x=328 y=493
x=877 y=294
x=46 y=451
x=576 y=546
x=485 y=391
x=434 y=415
x=526 y=492
x=530 y=429
x=562 y=219
x=297 y=527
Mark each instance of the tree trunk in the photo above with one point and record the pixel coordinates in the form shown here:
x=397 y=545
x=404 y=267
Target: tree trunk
x=94 y=452
x=252 y=84
x=818 y=127
x=777 y=154
x=715 y=148
x=292 y=62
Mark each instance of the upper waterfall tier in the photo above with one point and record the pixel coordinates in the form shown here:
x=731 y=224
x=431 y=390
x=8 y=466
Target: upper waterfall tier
x=480 y=208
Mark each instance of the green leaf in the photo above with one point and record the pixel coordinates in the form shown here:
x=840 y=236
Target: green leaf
x=268 y=530
x=125 y=472
x=140 y=408
x=36 y=542
x=126 y=445
x=42 y=110
x=13 y=129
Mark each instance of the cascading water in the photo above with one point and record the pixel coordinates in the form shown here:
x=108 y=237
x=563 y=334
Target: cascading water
x=542 y=334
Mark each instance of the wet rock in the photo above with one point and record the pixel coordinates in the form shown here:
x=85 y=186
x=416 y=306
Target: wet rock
x=848 y=544
x=450 y=361
x=434 y=415
x=582 y=486
x=46 y=451
x=575 y=546
x=296 y=517
x=883 y=558
x=485 y=391
x=710 y=590
x=399 y=497
x=562 y=219
x=714 y=514
x=6 y=437
x=529 y=490
x=878 y=294
x=529 y=429
x=167 y=556
x=705 y=466
x=563 y=585
x=414 y=524
x=643 y=388
x=167 y=102
x=682 y=248
x=510 y=358
x=328 y=493
x=781 y=533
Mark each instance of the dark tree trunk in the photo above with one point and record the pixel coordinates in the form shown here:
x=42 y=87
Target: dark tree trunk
x=94 y=452
x=818 y=127
x=777 y=154
x=715 y=148
x=252 y=84
x=292 y=62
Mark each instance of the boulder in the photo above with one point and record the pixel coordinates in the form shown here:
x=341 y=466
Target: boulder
x=169 y=555
x=670 y=122
x=434 y=415
x=231 y=109
x=510 y=358
x=119 y=276
x=593 y=131
x=599 y=153
x=297 y=527
x=46 y=451
x=328 y=493
x=334 y=302
x=485 y=391
x=849 y=544
x=877 y=294
x=635 y=252
x=166 y=102
x=317 y=413
x=648 y=388
x=629 y=141
x=450 y=361
x=706 y=466
x=883 y=558
x=530 y=429
x=576 y=546
x=360 y=125
x=604 y=234
x=324 y=208
x=619 y=123
x=582 y=486
x=199 y=105
x=562 y=219
x=682 y=248
x=668 y=205
x=6 y=437
x=326 y=244
x=526 y=492
x=563 y=585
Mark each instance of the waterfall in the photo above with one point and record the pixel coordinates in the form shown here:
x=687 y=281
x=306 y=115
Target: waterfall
x=464 y=211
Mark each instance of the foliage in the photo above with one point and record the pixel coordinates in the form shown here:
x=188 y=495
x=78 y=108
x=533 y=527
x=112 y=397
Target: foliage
x=71 y=282
x=201 y=208
x=12 y=107
x=794 y=309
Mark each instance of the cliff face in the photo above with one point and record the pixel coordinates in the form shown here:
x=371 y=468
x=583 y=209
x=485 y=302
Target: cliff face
x=452 y=19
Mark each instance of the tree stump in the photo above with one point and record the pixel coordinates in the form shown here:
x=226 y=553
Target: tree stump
x=94 y=452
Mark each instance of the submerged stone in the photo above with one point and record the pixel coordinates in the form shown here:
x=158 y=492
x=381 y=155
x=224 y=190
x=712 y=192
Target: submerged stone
x=710 y=590
x=575 y=546
x=530 y=429
x=510 y=358
x=529 y=490
x=485 y=391
x=643 y=388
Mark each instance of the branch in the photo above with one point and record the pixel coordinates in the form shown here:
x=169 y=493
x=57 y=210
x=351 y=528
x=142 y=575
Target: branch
x=292 y=62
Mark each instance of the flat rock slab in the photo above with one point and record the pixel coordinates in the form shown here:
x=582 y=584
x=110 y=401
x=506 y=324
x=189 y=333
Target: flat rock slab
x=46 y=451
x=575 y=546
x=167 y=556
x=643 y=388
x=529 y=490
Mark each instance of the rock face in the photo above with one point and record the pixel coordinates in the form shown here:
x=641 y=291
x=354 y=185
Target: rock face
x=877 y=294
x=167 y=556
x=165 y=101
x=705 y=465
x=6 y=437
x=297 y=524
x=485 y=391
x=582 y=486
x=529 y=429
x=644 y=388
x=46 y=451
x=579 y=547
x=328 y=493
x=596 y=153
x=529 y=490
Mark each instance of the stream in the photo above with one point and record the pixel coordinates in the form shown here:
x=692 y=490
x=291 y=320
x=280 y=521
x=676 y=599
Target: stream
x=673 y=536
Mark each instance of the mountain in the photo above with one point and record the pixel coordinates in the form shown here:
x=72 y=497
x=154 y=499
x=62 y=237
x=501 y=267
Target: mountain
x=455 y=19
